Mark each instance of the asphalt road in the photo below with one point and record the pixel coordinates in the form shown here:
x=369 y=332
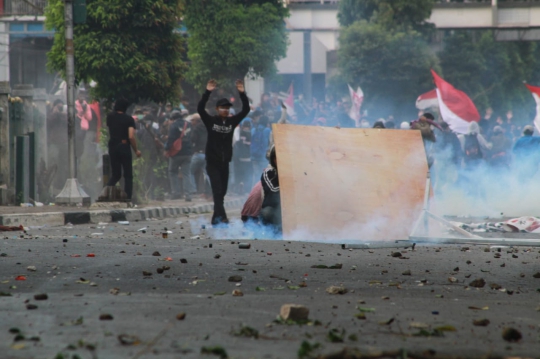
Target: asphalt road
x=105 y=307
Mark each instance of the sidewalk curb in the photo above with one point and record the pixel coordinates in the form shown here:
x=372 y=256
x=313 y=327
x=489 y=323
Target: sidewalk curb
x=104 y=215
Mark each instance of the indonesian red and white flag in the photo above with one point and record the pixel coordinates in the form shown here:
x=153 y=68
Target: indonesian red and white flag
x=536 y=95
x=427 y=100
x=289 y=101
x=456 y=108
x=356 y=103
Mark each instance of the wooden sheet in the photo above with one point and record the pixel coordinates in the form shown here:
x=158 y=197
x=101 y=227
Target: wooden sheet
x=349 y=185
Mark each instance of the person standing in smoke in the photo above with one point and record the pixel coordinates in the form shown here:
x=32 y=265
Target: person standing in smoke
x=243 y=166
x=424 y=124
x=121 y=141
x=180 y=129
x=82 y=118
x=260 y=137
x=198 y=160
x=449 y=145
x=527 y=154
x=271 y=206
x=499 y=155
x=219 y=145
x=474 y=147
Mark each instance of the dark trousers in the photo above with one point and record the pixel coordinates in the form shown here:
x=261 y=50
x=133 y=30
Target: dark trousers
x=120 y=156
x=218 y=172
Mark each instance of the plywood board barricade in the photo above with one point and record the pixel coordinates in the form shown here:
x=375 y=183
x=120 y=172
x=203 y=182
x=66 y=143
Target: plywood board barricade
x=349 y=185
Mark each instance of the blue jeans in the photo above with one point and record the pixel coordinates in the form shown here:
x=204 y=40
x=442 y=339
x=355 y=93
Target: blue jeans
x=184 y=162
x=198 y=163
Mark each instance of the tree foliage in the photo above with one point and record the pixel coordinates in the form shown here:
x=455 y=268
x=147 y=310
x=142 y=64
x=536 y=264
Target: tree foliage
x=391 y=67
x=491 y=72
x=129 y=47
x=391 y=13
x=231 y=39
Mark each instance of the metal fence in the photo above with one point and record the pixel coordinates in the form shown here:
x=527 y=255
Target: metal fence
x=24 y=7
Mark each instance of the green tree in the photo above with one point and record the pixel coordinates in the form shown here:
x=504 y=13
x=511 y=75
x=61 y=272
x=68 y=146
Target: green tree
x=129 y=47
x=491 y=72
x=231 y=39
x=463 y=65
x=392 y=13
x=350 y=11
x=391 y=67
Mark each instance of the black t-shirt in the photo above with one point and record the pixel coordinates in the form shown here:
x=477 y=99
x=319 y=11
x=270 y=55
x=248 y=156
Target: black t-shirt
x=119 y=124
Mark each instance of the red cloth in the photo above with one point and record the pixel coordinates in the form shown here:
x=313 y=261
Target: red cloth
x=11 y=228
x=85 y=115
x=253 y=205
x=95 y=108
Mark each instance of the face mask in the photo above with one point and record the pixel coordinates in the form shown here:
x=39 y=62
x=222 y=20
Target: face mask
x=140 y=117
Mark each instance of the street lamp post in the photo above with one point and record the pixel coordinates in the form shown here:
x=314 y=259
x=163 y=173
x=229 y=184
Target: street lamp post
x=72 y=192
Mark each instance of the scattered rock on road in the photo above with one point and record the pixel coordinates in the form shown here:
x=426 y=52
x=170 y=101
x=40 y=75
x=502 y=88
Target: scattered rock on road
x=237 y=293
x=235 y=278
x=478 y=283
x=495 y=286
x=41 y=297
x=126 y=339
x=481 y=322
x=336 y=290
x=511 y=335
x=294 y=312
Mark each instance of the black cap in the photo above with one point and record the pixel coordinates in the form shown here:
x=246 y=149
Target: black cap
x=223 y=102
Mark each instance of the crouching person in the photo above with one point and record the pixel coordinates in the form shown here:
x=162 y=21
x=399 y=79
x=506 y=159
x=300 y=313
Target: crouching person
x=271 y=206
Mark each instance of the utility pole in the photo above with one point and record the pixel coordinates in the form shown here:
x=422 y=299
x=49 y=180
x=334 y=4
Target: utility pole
x=72 y=192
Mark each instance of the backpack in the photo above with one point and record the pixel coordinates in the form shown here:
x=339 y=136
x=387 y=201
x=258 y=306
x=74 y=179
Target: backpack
x=258 y=143
x=472 y=150
x=177 y=144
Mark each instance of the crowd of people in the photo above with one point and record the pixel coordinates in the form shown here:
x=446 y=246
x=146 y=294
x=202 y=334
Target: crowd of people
x=179 y=138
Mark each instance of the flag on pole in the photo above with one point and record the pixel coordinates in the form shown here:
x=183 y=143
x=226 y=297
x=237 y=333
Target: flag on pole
x=356 y=103
x=456 y=108
x=289 y=101
x=535 y=91
x=427 y=100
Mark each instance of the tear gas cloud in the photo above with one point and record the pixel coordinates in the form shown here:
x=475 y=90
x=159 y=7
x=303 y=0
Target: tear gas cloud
x=485 y=191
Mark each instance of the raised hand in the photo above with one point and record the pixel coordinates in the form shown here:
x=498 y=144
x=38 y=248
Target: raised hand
x=211 y=85
x=240 y=86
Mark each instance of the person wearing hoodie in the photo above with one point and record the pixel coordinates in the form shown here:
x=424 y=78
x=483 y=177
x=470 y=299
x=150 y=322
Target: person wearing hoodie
x=527 y=154
x=271 y=205
x=474 y=146
x=219 y=150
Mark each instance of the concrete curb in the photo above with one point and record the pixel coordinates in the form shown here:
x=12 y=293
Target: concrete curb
x=103 y=215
